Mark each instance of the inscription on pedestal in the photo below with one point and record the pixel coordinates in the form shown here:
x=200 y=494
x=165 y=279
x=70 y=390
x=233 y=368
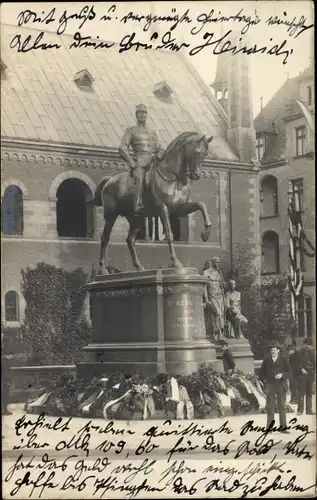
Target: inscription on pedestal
x=182 y=315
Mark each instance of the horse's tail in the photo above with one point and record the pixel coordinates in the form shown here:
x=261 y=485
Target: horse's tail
x=97 y=197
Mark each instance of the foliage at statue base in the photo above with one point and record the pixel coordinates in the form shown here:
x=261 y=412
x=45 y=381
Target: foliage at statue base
x=203 y=394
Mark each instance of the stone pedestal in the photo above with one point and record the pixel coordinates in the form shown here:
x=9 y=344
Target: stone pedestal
x=149 y=321
x=242 y=355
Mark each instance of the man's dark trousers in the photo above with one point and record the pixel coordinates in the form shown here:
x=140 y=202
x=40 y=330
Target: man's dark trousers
x=305 y=383
x=276 y=393
x=294 y=388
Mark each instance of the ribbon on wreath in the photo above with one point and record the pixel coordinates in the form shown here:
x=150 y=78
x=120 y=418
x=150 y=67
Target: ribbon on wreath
x=38 y=401
x=225 y=400
x=148 y=407
x=113 y=402
x=86 y=407
x=251 y=389
x=184 y=404
x=221 y=382
x=201 y=398
x=172 y=390
x=179 y=394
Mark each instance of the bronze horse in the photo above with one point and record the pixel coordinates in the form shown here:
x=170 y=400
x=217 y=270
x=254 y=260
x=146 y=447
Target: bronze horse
x=167 y=191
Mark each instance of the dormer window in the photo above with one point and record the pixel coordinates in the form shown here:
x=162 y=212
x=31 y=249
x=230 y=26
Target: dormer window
x=260 y=146
x=84 y=79
x=162 y=89
x=3 y=67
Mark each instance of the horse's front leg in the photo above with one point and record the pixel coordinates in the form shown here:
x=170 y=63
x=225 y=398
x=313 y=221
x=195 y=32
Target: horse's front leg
x=194 y=206
x=109 y=222
x=168 y=234
x=135 y=224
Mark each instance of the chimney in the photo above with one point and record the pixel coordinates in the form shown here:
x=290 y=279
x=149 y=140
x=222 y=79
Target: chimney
x=261 y=99
x=241 y=132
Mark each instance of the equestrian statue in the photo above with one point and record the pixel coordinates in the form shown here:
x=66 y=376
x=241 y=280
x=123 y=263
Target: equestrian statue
x=157 y=185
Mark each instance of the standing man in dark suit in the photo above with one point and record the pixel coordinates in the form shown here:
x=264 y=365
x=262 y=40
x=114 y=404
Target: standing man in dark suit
x=306 y=375
x=227 y=358
x=292 y=359
x=274 y=373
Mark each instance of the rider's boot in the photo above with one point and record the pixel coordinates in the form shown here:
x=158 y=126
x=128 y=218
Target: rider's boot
x=137 y=205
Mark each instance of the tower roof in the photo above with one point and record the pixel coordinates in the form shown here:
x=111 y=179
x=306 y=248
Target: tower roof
x=221 y=78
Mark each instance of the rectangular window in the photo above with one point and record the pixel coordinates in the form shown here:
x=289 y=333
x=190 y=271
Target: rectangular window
x=300 y=257
x=304 y=315
x=270 y=253
x=300 y=140
x=260 y=147
x=268 y=197
x=298 y=192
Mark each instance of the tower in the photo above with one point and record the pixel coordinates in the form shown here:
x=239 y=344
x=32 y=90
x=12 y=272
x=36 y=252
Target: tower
x=241 y=132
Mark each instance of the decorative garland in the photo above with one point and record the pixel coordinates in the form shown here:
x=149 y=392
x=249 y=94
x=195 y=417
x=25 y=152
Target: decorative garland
x=311 y=246
x=203 y=394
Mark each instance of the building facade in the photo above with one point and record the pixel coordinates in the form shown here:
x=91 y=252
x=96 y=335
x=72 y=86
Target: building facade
x=285 y=148
x=63 y=116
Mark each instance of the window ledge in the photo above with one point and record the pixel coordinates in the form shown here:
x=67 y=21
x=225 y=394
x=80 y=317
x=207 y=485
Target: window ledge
x=305 y=155
x=274 y=273
x=12 y=235
x=263 y=217
x=12 y=324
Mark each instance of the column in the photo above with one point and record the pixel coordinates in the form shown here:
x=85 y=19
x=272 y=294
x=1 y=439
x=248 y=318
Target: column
x=147 y=229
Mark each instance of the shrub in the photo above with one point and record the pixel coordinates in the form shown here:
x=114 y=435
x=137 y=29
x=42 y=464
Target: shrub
x=54 y=329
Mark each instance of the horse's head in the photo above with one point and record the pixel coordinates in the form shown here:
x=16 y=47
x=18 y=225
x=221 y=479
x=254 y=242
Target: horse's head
x=195 y=153
x=185 y=154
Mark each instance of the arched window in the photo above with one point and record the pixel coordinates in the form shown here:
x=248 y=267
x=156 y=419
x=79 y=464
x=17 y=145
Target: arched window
x=74 y=209
x=11 y=306
x=270 y=253
x=12 y=211
x=305 y=316
x=268 y=196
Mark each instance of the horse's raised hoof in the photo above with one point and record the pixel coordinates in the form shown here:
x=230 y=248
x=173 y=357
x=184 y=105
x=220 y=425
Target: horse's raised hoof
x=177 y=264
x=139 y=267
x=205 y=234
x=103 y=269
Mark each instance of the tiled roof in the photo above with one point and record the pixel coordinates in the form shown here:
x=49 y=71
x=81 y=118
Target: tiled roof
x=40 y=100
x=271 y=118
